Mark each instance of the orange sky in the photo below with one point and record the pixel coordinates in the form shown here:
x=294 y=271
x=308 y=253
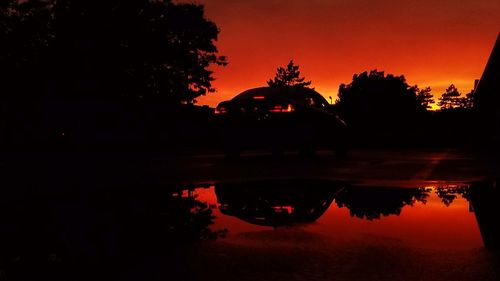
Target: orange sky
x=433 y=43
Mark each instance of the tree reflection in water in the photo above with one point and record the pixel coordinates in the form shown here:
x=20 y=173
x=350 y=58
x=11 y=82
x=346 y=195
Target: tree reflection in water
x=44 y=227
x=187 y=218
x=373 y=202
x=288 y=203
x=277 y=203
x=449 y=193
x=79 y=226
x=483 y=197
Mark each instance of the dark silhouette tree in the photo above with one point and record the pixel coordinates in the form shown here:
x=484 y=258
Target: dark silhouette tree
x=450 y=98
x=288 y=76
x=425 y=97
x=467 y=102
x=160 y=49
x=379 y=103
x=135 y=49
x=56 y=54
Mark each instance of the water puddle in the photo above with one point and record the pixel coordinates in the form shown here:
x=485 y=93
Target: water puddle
x=255 y=230
x=437 y=217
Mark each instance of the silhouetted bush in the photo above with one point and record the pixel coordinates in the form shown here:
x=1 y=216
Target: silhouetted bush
x=375 y=104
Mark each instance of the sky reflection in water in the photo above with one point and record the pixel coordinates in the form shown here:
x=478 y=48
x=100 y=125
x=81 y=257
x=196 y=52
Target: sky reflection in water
x=430 y=217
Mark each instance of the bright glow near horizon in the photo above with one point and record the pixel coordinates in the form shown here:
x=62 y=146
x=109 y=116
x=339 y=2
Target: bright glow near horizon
x=432 y=43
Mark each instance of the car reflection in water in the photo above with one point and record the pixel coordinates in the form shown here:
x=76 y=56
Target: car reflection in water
x=411 y=233
x=276 y=203
x=433 y=215
x=281 y=203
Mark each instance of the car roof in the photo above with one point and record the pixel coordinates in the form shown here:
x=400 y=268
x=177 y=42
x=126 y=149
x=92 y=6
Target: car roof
x=278 y=92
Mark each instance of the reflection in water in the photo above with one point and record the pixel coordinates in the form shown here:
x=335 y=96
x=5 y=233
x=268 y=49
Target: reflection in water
x=49 y=226
x=276 y=203
x=53 y=225
x=187 y=218
x=484 y=197
x=434 y=213
x=450 y=192
x=373 y=202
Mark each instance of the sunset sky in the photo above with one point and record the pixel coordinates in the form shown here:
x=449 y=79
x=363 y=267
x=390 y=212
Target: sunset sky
x=432 y=43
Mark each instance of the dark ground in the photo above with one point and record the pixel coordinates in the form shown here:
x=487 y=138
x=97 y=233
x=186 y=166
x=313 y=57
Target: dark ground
x=100 y=215
x=400 y=167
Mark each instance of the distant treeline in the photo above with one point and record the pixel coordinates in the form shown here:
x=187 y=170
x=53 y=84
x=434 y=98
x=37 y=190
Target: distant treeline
x=387 y=109
x=383 y=109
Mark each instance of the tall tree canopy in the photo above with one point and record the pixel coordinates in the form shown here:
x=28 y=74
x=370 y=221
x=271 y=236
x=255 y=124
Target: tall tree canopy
x=288 y=76
x=425 y=97
x=450 y=98
x=137 y=49
x=374 y=100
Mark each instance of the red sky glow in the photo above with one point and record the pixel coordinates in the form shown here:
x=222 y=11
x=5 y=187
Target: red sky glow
x=432 y=43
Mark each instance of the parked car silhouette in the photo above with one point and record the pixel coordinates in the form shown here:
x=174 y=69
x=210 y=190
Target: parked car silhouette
x=280 y=118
